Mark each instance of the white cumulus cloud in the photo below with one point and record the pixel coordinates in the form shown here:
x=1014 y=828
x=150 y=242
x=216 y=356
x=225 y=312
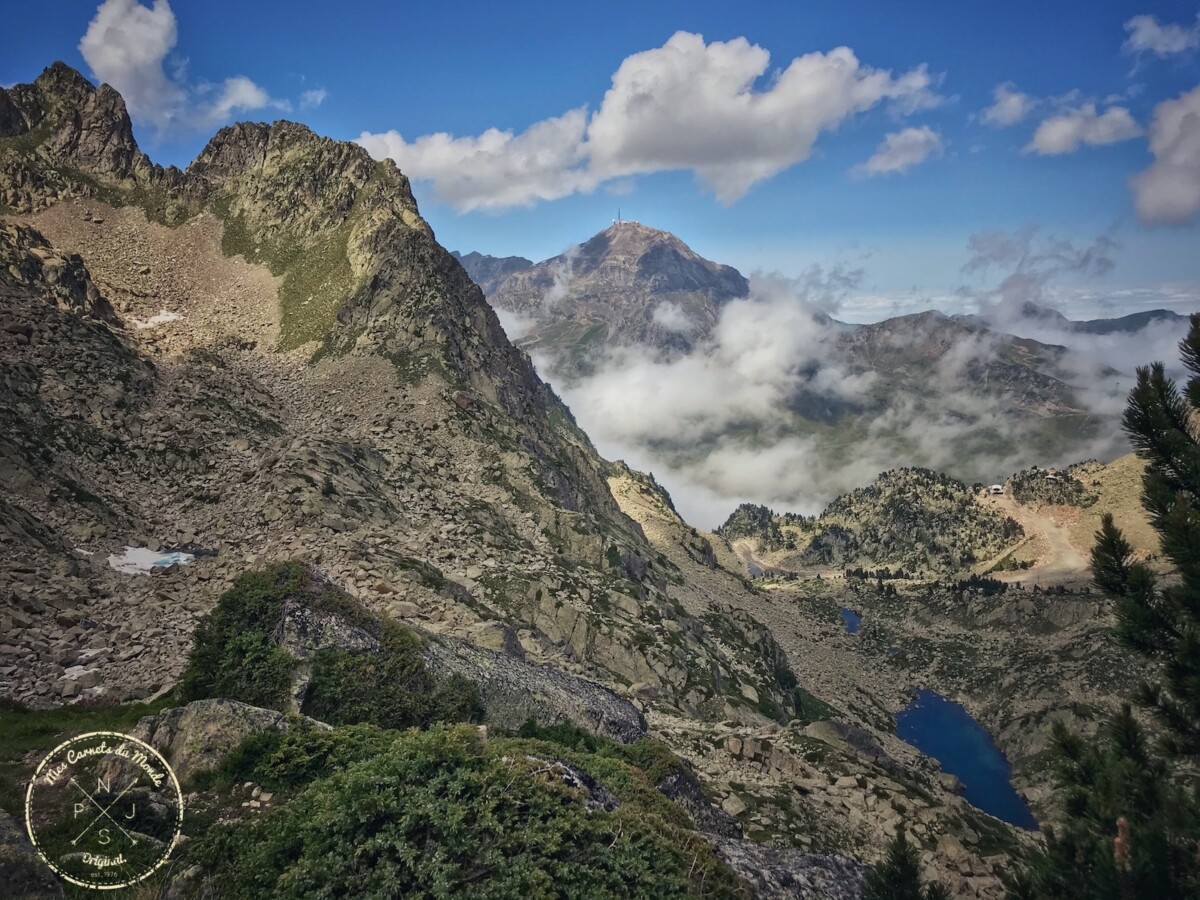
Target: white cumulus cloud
x=673 y=317
x=692 y=105
x=1072 y=128
x=498 y=168
x=900 y=151
x=1009 y=106
x=709 y=108
x=1168 y=192
x=1148 y=35
x=127 y=44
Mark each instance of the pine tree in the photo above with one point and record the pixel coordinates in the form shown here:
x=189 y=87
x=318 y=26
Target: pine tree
x=1163 y=621
x=1128 y=829
x=898 y=877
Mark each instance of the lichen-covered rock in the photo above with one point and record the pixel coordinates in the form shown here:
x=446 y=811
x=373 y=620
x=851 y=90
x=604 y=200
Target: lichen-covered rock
x=777 y=872
x=22 y=872
x=197 y=737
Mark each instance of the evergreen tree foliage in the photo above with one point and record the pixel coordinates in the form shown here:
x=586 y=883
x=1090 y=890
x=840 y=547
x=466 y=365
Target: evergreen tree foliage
x=1163 y=621
x=1130 y=825
x=898 y=877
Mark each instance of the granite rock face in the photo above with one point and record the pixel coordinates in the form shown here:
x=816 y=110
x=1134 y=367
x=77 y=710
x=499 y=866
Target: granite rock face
x=197 y=737
x=514 y=691
x=775 y=872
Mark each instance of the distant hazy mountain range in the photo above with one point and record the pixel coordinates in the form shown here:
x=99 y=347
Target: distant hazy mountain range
x=1130 y=324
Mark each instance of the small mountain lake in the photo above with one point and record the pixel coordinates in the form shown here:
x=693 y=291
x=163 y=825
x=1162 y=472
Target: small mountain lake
x=944 y=730
x=852 y=619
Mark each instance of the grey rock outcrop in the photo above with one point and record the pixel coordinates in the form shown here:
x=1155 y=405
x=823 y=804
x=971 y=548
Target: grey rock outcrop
x=514 y=691
x=32 y=261
x=776 y=872
x=303 y=632
x=197 y=737
x=595 y=795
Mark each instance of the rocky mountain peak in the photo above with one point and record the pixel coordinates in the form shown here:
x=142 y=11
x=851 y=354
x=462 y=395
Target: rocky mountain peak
x=630 y=283
x=69 y=129
x=61 y=81
x=638 y=255
x=358 y=277
x=489 y=272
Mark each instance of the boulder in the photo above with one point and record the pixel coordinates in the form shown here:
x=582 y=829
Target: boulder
x=197 y=737
x=303 y=632
x=785 y=873
x=950 y=782
x=734 y=805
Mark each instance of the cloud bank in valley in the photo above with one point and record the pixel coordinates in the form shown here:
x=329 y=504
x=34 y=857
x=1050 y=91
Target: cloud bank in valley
x=685 y=106
x=714 y=424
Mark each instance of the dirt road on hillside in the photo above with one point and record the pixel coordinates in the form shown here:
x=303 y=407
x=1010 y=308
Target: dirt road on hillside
x=1058 y=560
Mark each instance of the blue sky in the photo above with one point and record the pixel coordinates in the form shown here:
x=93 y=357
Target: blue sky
x=924 y=73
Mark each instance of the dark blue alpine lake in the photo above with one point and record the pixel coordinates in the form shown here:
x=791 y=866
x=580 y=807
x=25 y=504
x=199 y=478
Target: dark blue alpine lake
x=852 y=619
x=944 y=730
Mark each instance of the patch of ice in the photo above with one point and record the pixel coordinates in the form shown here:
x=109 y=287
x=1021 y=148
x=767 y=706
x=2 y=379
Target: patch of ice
x=160 y=318
x=142 y=561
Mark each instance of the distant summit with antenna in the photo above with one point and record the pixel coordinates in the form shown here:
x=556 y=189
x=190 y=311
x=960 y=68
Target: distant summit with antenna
x=628 y=284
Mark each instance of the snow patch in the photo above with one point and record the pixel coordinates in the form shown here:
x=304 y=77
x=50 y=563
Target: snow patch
x=142 y=561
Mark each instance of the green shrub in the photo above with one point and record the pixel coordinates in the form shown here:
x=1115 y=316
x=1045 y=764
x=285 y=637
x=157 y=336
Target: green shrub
x=441 y=813
x=233 y=655
x=391 y=688
x=898 y=876
x=282 y=760
x=651 y=757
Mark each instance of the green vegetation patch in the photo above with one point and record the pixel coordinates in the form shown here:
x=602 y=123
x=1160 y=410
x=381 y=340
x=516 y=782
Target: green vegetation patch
x=1047 y=487
x=233 y=655
x=26 y=735
x=317 y=275
x=236 y=656
x=391 y=688
x=442 y=813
